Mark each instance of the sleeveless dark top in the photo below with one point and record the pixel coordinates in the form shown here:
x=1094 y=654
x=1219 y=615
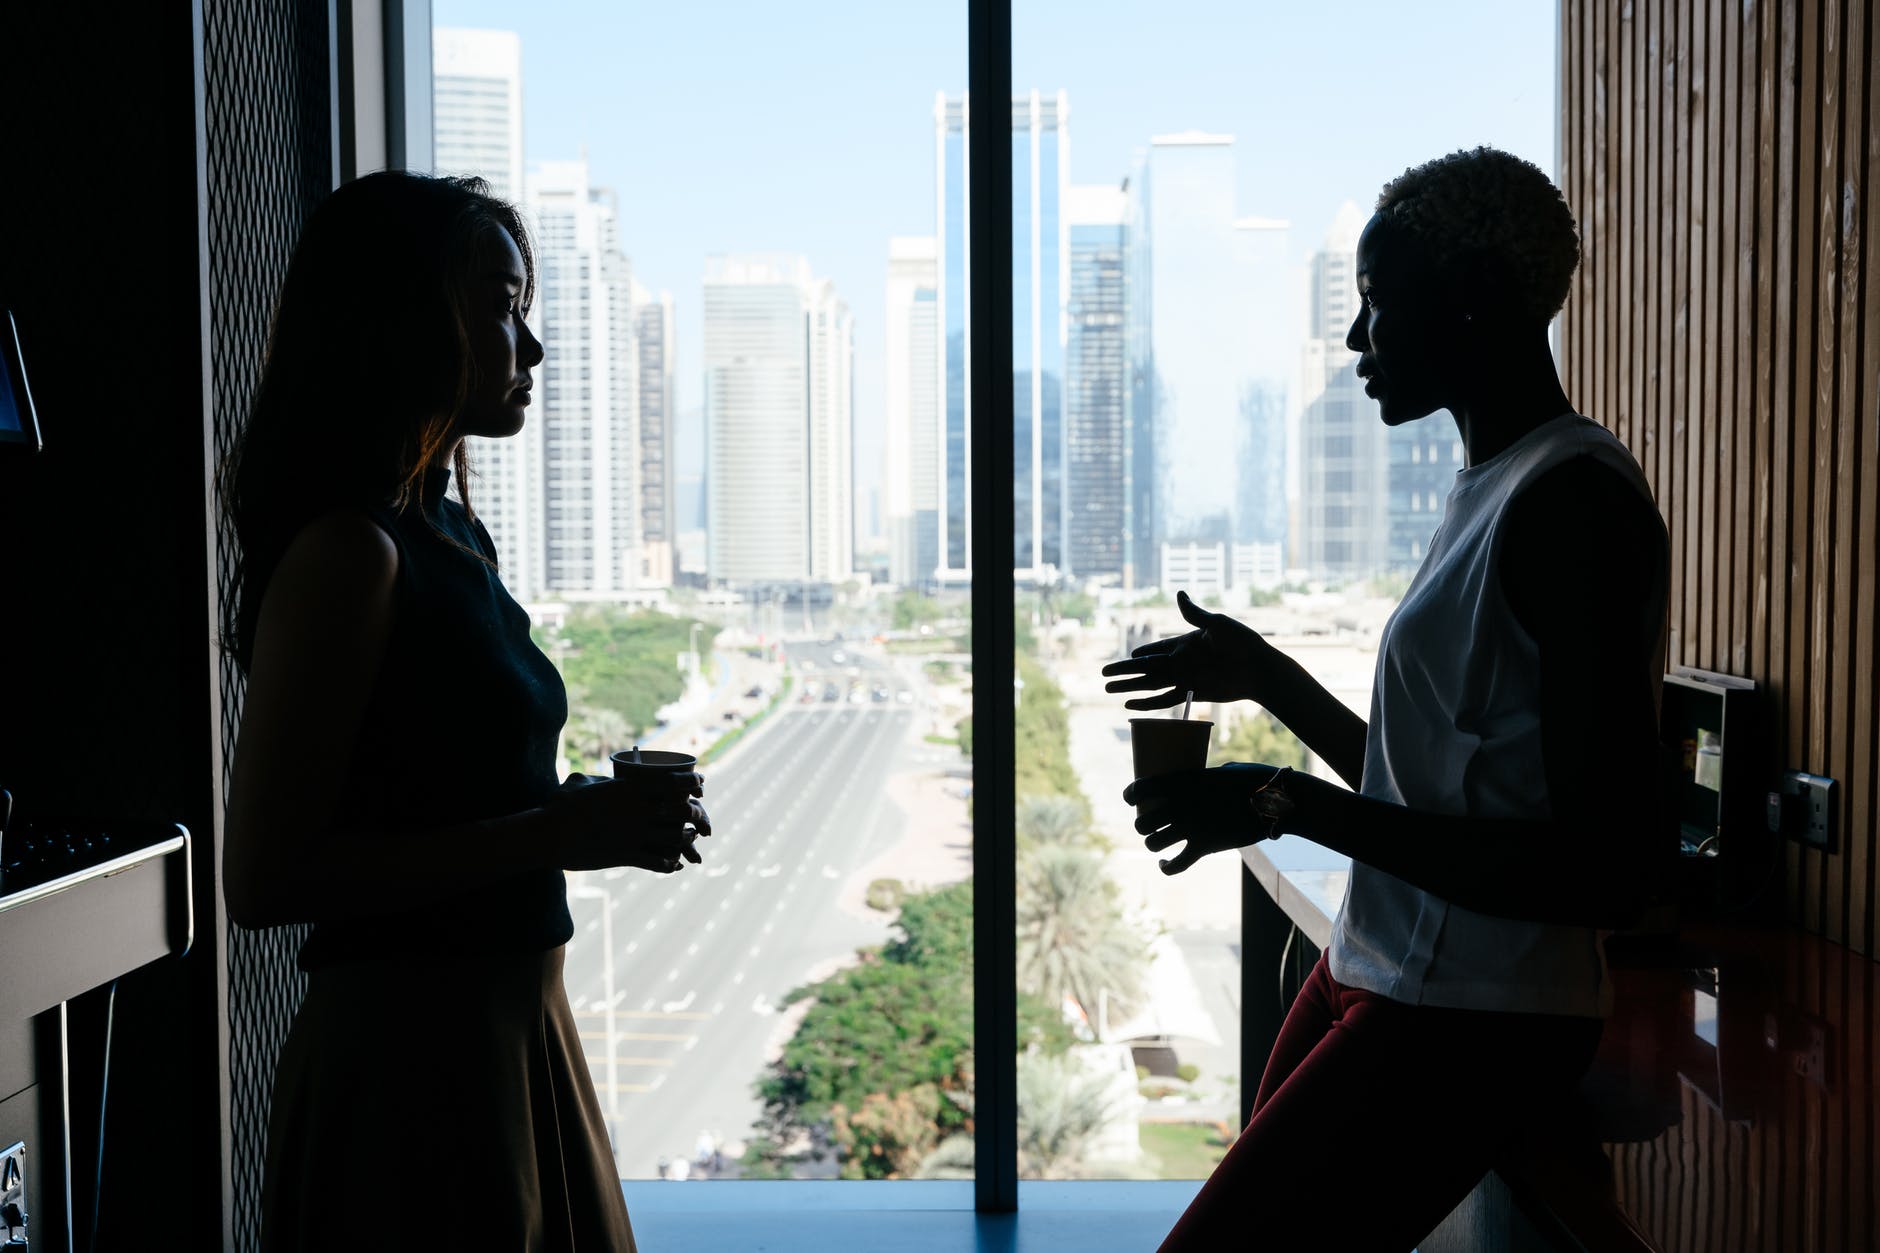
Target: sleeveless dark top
x=462 y=725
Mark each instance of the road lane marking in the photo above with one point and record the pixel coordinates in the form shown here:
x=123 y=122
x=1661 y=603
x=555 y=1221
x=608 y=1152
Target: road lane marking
x=691 y=948
x=601 y=1059
x=672 y=974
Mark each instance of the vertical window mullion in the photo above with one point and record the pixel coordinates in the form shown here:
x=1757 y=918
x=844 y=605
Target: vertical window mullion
x=989 y=214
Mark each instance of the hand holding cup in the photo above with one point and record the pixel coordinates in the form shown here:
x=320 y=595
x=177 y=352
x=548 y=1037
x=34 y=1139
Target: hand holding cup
x=647 y=816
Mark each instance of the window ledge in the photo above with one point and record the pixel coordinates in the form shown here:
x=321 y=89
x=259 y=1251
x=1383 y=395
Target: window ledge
x=810 y=1216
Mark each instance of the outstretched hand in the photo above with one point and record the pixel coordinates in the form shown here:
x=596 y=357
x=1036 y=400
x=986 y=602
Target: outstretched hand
x=1220 y=660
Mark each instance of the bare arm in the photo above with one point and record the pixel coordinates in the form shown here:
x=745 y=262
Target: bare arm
x=1586 y=599
x=1225 y=660
x=288 y=855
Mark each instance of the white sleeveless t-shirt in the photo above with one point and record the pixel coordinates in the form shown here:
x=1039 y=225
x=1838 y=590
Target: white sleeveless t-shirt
x=1455 y=729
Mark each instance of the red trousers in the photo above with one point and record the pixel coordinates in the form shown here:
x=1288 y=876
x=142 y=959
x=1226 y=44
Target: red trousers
x=1375 y=1118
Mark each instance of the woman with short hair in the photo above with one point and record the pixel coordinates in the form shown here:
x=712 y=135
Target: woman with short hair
x=1505 y=780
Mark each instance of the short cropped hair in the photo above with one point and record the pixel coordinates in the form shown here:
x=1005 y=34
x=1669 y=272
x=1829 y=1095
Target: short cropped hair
x=1487 y=216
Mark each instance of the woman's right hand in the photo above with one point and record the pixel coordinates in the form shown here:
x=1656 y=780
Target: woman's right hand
x=1220 y=660
x=649 y=821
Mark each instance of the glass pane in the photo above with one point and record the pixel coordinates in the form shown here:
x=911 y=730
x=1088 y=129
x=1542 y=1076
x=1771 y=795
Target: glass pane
x=1185 y=283
x=738 y=518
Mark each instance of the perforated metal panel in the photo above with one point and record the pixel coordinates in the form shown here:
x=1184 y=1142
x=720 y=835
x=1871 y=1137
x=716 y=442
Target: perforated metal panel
x=267 y=108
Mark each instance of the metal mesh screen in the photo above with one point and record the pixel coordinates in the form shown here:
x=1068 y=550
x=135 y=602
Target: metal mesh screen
x=267 y=110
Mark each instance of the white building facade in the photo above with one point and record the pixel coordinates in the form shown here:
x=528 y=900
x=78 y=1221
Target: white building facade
x=779 y=412
x=911 y=470
x=587 y=390
x=477 y=94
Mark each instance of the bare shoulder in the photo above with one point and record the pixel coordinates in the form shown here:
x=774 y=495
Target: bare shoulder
x=339 y=571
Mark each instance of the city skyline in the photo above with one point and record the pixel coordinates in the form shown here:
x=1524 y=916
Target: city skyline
x=828 y=127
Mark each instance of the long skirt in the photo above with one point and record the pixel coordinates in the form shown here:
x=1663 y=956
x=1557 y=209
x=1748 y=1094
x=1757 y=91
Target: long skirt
x=425 y=1103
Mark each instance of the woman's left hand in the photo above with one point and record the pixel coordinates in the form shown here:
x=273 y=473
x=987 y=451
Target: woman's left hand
x=1225 y=807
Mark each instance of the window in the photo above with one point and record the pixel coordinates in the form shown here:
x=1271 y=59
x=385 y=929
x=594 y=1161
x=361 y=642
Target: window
x=740 y=302
x=779 y=529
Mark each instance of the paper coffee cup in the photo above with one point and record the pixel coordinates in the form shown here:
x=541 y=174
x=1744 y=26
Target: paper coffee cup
x=1166 y=745
x=652 y=761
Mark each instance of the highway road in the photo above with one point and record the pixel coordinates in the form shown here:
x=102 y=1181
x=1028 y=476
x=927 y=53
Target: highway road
x=702 y=959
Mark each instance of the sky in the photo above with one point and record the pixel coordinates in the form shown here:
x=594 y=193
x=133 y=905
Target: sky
x=808 y=128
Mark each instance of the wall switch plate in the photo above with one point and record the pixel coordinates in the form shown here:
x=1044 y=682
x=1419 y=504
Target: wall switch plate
x=1810 y=798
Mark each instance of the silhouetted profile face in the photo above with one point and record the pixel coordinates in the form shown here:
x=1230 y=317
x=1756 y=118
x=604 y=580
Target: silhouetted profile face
x=1408 y=330
x=502 y=349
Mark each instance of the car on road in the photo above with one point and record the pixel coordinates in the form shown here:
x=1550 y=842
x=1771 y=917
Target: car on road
x=831 y=692
x=756 y=693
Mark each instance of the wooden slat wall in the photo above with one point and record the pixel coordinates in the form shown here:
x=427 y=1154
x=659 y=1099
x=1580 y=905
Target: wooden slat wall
x=1790 y=1165
x=1725 y=322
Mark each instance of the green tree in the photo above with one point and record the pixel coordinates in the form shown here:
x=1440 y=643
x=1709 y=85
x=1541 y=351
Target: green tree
x=910 y=610
x=889 y=1135
x=593 y=734
x=623 y=660
x=1259 y=738
x=1073 y=940
x=1043 y=737
x=900 y=1019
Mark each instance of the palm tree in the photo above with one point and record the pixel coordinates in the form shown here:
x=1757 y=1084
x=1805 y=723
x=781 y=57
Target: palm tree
x=592 y=734
x=1061 y=1108
x=1051 y=820
x=1072 y=938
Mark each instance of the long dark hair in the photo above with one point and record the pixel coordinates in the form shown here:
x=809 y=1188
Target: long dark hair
x=368 y=367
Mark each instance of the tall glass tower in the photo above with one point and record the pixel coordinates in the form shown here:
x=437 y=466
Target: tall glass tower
x=1040 y=293
x=1209 y=375
x=1097 y=460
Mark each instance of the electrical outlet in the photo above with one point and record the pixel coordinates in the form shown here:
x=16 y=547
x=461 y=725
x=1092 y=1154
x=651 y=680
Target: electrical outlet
x=1812 y=798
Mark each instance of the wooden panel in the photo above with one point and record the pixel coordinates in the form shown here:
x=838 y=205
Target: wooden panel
x=1723 y=322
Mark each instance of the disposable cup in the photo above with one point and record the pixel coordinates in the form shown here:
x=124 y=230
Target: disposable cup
x=652 y=761
x=1166 y=745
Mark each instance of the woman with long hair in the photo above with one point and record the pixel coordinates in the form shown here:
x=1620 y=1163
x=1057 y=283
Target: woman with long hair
x=1505 y=782
x=394 y=780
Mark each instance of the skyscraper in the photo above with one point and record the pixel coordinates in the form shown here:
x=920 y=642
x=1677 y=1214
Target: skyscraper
x=478 y=130
x=590 y=438
x=1040 y=288
x=778 y=358
x=1210 y=321
x=1424 y=458
x=655 y=346
x=911 y=469
x=1097 y=460
x=1343 y=451
x=477 y=98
